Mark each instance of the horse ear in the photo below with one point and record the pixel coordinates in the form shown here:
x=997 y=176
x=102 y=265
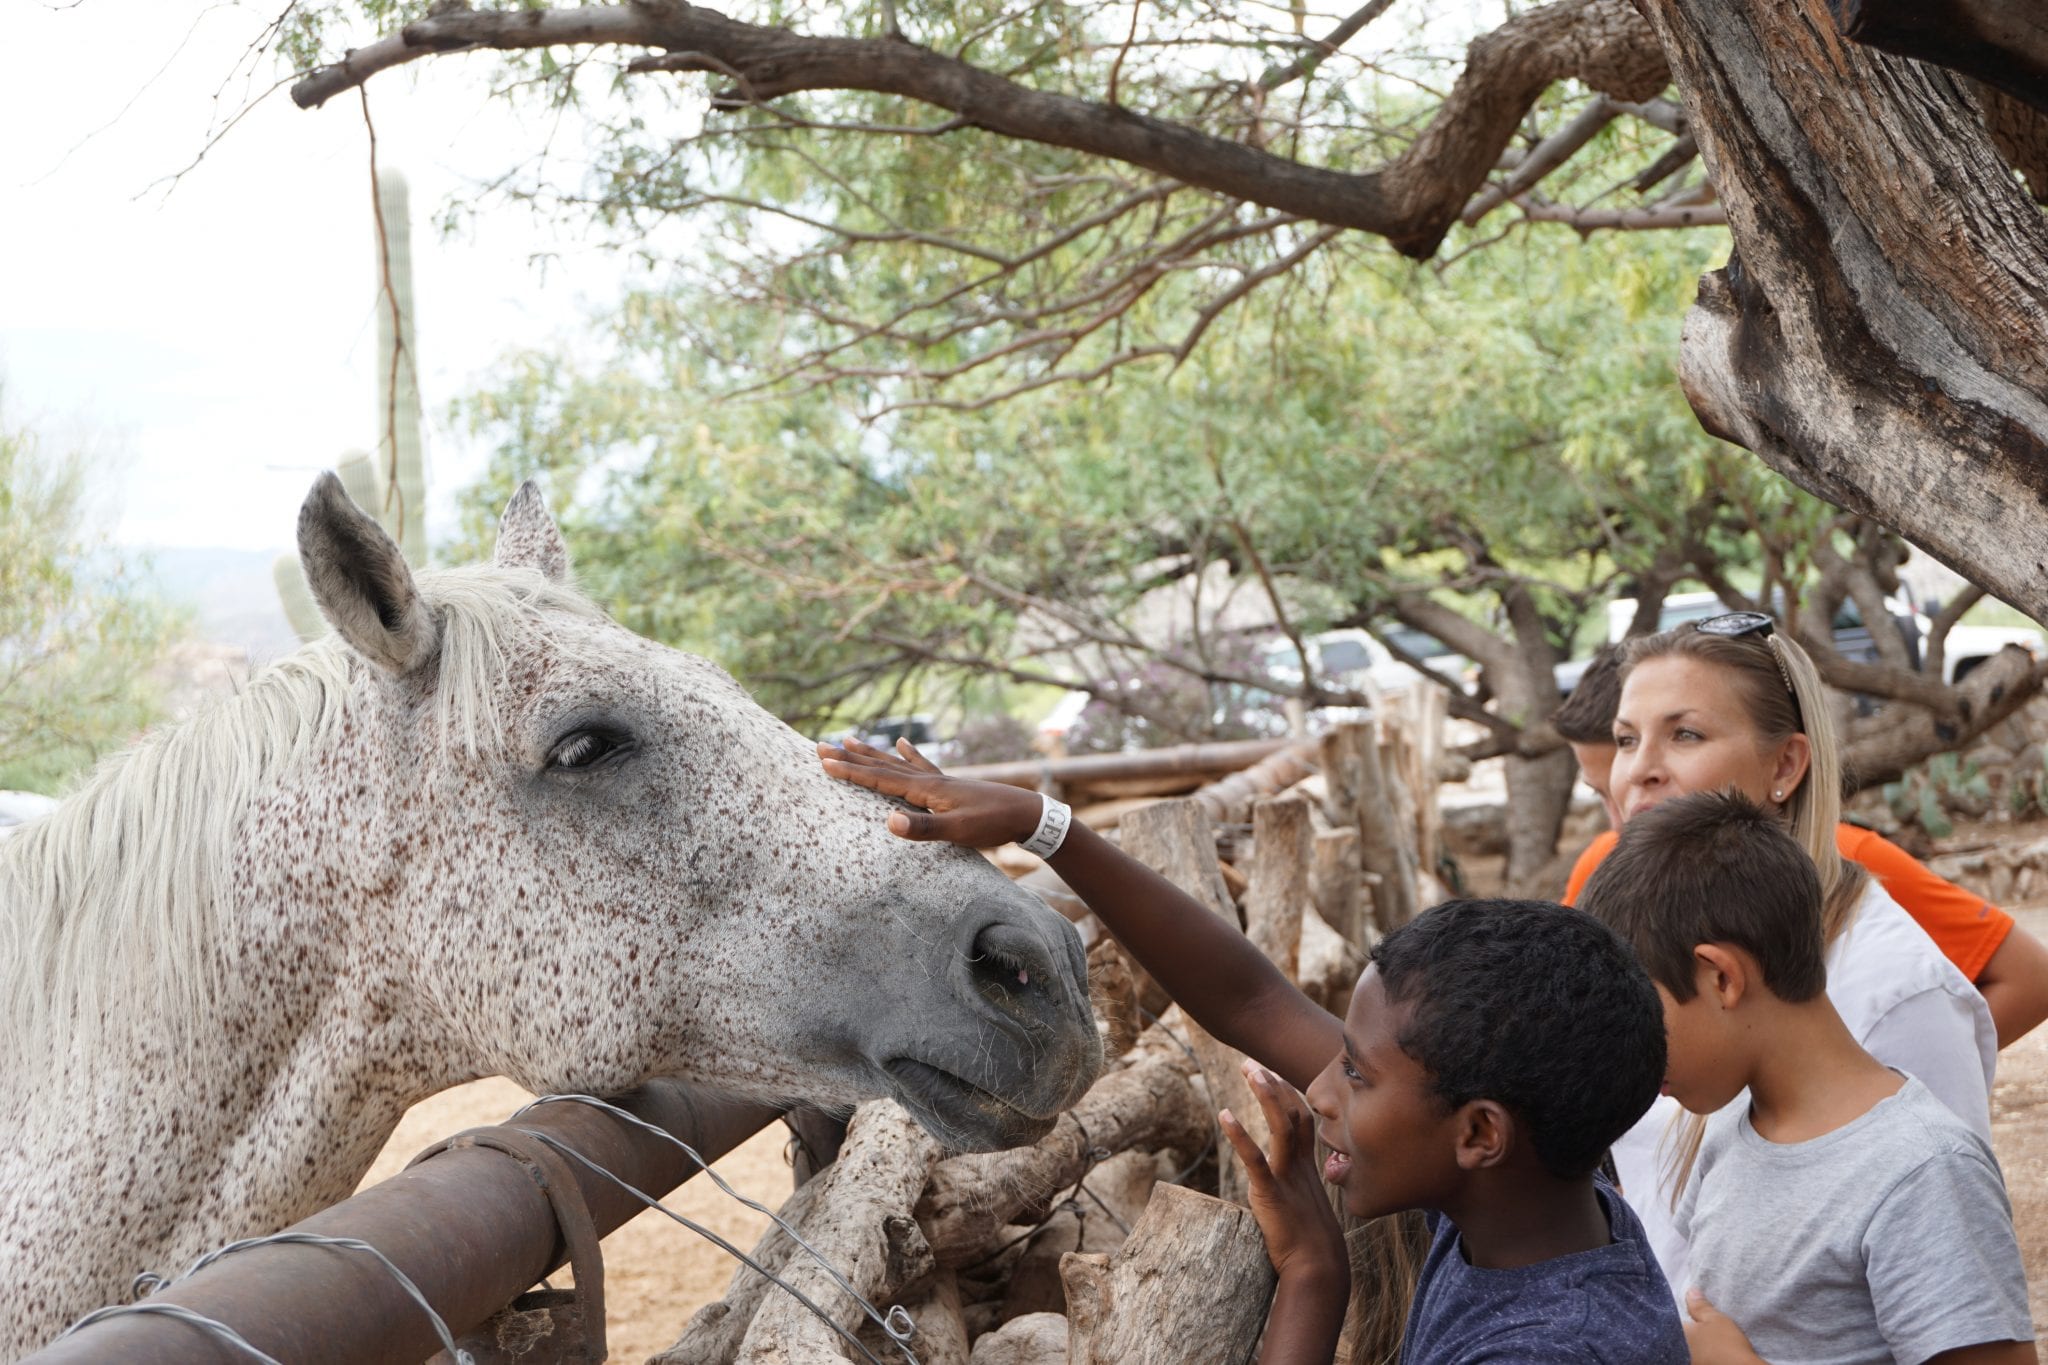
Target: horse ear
x=528 y=537
x=359 y=578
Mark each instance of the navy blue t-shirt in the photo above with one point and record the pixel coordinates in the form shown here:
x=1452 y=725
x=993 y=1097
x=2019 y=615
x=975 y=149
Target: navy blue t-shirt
x=1609 y=1305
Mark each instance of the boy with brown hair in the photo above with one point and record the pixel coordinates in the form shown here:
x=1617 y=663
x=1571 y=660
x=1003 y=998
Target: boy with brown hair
x=1836 y=1210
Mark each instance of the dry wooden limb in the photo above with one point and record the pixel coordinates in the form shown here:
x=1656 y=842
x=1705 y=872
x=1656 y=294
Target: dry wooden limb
x=934 y=1305
x=1234 y=881
x=1190 y=1287
x=1096 y=1216
x=712 y=1335
x=1228 y=800
x=1336 y=884
x=1174 y=839
x=1039 y=1339
x=862 y=1225
x=1149 y=1106
x=1084 y=770
x=1152 y=785
x=1385 y=844
x=1283 y=854
x=1330 y=965
x=1113 y=993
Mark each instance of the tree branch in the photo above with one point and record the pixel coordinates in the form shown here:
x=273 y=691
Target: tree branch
x=1411 y=201
x=1277 y=76
x=1546 y=157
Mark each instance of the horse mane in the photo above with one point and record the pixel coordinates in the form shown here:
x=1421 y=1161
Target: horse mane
x=114 y=903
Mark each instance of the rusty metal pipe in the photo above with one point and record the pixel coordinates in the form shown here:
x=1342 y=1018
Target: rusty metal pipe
x=470 y=1227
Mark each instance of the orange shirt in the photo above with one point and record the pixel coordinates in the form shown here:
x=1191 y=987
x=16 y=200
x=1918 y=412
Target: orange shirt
x=1966 y=927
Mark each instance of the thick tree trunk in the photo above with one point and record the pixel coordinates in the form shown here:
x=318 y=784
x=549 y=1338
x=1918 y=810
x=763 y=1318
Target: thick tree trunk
x=1881 y=333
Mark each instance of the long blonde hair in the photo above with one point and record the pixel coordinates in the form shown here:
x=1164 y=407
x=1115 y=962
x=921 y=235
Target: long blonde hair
x=1781 y=693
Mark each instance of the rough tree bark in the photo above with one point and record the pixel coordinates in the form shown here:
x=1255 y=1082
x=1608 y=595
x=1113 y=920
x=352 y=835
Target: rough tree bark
x=1880 y=335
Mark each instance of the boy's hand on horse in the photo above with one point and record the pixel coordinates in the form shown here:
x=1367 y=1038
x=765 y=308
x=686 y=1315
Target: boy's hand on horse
x=955 y=810
x=1303 y=1239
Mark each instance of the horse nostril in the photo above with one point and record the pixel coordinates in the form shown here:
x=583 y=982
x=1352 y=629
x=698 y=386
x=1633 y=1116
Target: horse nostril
x=1007 y=962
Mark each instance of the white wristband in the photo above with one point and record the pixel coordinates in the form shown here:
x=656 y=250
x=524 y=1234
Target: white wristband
x=1053 y=819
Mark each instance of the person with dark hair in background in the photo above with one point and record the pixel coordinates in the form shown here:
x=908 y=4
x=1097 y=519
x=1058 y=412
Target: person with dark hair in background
x=2008 y=965
x=1491 y=1053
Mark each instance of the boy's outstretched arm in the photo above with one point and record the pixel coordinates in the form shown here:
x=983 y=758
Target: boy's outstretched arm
x=1206 y=964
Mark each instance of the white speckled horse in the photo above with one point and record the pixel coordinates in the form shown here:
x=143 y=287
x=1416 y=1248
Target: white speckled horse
x=479 y=830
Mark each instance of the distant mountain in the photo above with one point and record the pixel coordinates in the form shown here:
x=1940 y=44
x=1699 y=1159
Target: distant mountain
x=231 y=595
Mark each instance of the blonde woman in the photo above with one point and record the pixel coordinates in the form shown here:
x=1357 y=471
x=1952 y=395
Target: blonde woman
x=1727 y=704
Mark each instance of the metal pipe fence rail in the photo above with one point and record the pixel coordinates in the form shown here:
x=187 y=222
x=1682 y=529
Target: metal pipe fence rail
x=473 y=1227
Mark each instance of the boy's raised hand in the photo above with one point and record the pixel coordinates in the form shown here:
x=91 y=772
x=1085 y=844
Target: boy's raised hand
x=1302 y=1237
x=1287 y=1191
x=955 y=810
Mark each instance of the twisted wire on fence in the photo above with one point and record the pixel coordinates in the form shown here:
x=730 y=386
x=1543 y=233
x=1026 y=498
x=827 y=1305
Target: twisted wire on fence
x=149 y=1282
x=896 y=1324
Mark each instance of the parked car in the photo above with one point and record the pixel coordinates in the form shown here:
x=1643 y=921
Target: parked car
x=1357 y=659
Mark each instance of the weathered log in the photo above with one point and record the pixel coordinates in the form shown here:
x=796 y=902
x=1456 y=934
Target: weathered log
x=1149 y=1105
x=1174 y=839
x=1039 y=1339
x=1113 y=994
x=861 y=1224
x=1330 y=965
x=1236 y=883
x=1362 y=795
x=1096 y=1217
x=1205 y=760
x=934 y=1305
x=1228 y=800
x=1283 y=855
x=1338 y=888
x=1190 y=1287
x=712 y=1335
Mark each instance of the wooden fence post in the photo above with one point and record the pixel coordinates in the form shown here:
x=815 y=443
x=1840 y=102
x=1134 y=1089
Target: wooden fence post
x=1190 y=1287
x=1283 y=855
x=1174 y=839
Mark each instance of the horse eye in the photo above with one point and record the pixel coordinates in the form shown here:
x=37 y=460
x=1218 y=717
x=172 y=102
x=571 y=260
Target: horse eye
x=583 y=749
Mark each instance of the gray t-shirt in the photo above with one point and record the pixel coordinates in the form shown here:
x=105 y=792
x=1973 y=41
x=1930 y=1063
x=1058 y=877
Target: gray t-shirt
x=1889 y=1239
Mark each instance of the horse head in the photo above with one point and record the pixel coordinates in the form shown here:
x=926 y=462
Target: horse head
x=598 y=860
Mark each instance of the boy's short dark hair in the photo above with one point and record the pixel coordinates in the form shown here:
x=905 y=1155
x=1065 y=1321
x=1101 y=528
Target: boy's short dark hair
x=1587 y=715
x=1713 y=868
x=1536 y=1006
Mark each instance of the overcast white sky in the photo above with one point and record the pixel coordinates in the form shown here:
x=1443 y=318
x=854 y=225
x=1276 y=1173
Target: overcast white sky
x=218 y=342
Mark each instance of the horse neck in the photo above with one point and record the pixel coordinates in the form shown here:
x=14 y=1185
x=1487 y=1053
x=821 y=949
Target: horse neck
x=275 y=1101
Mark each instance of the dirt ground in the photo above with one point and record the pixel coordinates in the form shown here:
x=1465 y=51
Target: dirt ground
x=657 y=1272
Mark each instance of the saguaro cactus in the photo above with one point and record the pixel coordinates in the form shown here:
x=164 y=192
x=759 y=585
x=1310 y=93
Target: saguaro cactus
x=393 y=486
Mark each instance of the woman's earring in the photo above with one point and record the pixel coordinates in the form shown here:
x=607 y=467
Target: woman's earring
x=1778 y=795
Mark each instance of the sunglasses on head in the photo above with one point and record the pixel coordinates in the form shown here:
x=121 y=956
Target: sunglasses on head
x=1738 y=625
x=1733 y=625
